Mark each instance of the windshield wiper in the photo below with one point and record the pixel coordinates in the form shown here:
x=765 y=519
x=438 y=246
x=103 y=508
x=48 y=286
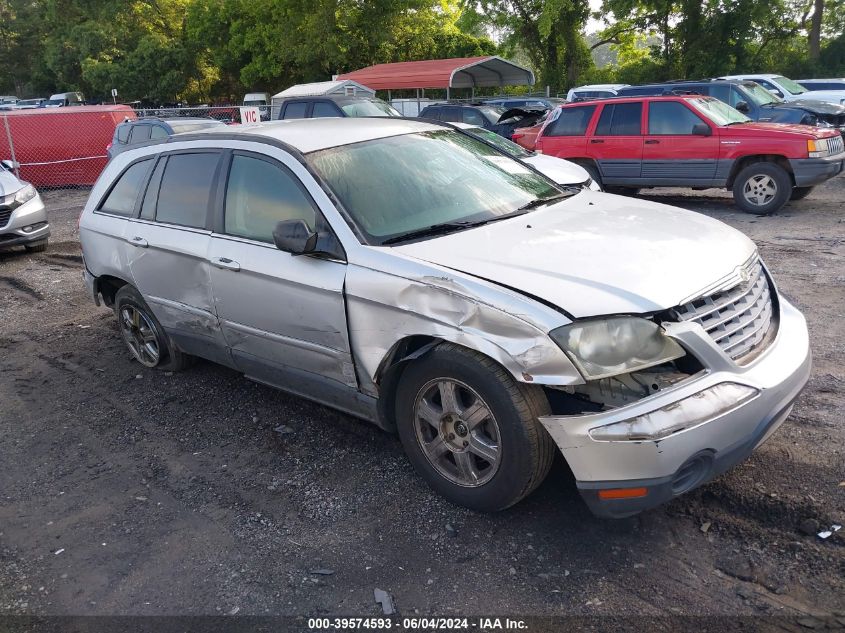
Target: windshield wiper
x=449 y=227
x=539 y=202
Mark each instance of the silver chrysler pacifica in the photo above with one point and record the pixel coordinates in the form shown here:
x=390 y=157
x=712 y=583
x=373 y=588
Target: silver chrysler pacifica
x=409 y=274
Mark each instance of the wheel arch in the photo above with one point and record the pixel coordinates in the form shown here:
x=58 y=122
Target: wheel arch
x=107 y=286
x=745 y=161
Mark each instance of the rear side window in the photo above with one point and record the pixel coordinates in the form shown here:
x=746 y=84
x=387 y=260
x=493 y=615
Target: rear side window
x=620 y=119
x=185 y=189
x=121 y=199
x=259 y=195
x=671 y=118
x=123 y=133
x=158 y=132
x=323 y=109
x=140 y=133
x=295 y=110
x=571 y=121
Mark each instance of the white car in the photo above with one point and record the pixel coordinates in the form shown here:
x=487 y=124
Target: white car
x=563 y=172
x=594 y=91
x=789 y=90
x=23 y=218
x=416 y=277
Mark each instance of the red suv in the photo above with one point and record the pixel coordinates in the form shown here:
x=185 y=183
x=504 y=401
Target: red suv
x=692 y=141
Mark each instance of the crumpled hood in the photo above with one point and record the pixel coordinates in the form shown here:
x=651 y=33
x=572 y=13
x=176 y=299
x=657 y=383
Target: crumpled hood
x=8 y=183
x=814 y=106
x=596 y=254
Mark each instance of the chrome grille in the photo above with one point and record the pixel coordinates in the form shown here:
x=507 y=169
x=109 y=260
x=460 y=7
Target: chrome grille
x=5 y=216
x=739 y=318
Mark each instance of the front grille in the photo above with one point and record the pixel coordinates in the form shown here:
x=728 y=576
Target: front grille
x=739 y=318
x=5 y=216
x=836 y=145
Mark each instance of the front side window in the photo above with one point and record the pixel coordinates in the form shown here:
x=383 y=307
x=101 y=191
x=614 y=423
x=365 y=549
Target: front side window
x=620 y=119
x=758 y=95
x=122 y=197
x=571 y=122
x=322 y=109
x=404 y=184
x=369 y=107
x=472 y=117
x=158 y=132
x=259 y=195
x=185 y=189
x=671 y=118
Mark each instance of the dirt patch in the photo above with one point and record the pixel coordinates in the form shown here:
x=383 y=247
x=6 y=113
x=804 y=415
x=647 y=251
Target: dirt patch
x=128 y=491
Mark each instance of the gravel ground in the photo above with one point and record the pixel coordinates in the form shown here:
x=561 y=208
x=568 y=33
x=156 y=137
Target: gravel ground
x=129 y=491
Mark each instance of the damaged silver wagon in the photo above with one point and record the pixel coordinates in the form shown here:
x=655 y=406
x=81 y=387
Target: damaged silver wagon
x=413 y=276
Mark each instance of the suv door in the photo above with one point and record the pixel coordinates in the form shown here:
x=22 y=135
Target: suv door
x=169 y=261
x=281 y=314
x=616 y=143
x=672 y=154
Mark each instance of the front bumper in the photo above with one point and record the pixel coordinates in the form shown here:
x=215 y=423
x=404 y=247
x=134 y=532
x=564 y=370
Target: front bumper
x=27 y=224
x=812 y=171
x=684 y=460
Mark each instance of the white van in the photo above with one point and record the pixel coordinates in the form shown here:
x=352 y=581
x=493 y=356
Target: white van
x=260 y=99
x=63 y=99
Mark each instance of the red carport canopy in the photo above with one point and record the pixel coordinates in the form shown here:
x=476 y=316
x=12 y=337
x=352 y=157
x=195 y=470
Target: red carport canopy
x=460 y=72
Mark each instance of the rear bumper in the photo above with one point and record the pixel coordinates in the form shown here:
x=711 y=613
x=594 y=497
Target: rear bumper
x=682 y=461
x=812 y=171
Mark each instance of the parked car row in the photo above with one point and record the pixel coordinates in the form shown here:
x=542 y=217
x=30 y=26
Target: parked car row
x=59 y=100
x=627 y=143
x=417 y=275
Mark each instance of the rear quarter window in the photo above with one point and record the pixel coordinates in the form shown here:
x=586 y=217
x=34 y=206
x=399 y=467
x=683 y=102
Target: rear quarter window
x=571 y=122
x=295 y=110
x=124 y=193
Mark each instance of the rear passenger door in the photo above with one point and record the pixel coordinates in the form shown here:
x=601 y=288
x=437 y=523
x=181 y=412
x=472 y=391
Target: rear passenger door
x=170 y=240
x=616 y=143
x=672 y=154
x=281 y=314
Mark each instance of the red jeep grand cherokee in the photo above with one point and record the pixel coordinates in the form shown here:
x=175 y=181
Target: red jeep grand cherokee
x=692 y=141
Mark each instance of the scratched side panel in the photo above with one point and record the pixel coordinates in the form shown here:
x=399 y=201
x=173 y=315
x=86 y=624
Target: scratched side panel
x=385 y=307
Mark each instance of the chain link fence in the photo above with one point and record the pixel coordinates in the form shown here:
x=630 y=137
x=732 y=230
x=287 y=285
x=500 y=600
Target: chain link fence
x=67 y=148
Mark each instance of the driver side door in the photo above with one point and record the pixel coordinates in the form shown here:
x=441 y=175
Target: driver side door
x=283 y=316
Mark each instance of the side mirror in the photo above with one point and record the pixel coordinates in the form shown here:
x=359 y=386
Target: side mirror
x=777 y=93
x=742 y=106
x=294 y=237
x=10 y=164
x=701 y=129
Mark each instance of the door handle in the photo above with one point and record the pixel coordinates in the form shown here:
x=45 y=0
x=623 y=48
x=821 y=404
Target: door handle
x=596 y=140
x=652 y=142
x=139 y=241
x=225 y=263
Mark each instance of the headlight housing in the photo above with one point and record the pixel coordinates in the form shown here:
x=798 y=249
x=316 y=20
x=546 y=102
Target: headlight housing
x=616 y=345
x=26 y=194
x=818 y=148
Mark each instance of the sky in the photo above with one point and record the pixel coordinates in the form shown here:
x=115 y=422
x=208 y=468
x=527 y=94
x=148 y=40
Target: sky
x=595 y=25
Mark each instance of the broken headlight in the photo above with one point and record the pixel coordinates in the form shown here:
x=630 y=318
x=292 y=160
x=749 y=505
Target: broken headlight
x=616 y=345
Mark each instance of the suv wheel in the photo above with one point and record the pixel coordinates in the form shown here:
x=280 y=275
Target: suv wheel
x=799 y=193
x=143 y=334
x=762 y=188
x=471 y=430
x=38 y=247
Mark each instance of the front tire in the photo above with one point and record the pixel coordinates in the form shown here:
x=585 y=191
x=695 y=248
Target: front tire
x=762 y=188
x=37 y=247
x=471 y=430
x=146 y=339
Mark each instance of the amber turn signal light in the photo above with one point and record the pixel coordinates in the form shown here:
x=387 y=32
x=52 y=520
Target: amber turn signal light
x=622 y=493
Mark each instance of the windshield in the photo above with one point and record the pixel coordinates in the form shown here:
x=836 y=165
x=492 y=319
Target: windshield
x=491 y=113
x=791 y=86
x=759 y=95
x=255 y=103
x=52 y=102
x=374 y=107
x=508 y=147
x=718 y=111
x=403 y=184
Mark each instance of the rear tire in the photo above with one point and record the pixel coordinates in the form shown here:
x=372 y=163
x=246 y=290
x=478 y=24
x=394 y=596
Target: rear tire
x=799 y=193
x=762 y=188
x=470 y=430
x=146 y=339
x=38 y=247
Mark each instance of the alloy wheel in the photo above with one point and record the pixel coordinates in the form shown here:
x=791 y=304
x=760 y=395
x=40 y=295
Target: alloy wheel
x=140 y=335
x=760 y=190
x=457 y=432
